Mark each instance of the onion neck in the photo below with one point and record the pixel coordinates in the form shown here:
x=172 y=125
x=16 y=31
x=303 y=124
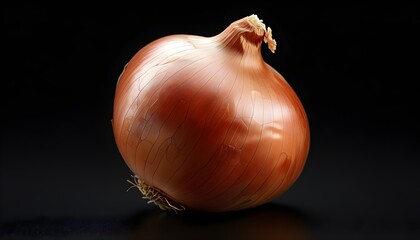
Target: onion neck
x=246 y=35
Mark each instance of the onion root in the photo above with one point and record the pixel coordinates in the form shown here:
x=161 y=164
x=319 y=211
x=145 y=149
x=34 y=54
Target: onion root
x=154 y=196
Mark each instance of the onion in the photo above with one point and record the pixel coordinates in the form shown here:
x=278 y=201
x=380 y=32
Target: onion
x=205 y=124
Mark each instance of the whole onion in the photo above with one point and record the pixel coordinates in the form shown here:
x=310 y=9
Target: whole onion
x=205 y=124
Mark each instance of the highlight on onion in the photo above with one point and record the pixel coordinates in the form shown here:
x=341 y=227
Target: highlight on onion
x=205 y=124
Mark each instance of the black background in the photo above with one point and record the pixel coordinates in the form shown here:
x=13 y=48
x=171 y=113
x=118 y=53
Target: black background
x=355 y=68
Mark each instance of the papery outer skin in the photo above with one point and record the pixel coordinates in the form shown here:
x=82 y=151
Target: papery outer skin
x=209 y=124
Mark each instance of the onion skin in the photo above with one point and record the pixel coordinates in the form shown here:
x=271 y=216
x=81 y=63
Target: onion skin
x=207 y=123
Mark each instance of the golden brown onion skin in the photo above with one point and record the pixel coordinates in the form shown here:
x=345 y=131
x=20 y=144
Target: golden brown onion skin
x=208 y=123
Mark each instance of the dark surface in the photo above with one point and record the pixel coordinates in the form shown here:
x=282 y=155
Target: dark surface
x=354 y=67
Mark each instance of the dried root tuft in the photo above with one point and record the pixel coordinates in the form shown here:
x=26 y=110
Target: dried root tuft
x=154 y=196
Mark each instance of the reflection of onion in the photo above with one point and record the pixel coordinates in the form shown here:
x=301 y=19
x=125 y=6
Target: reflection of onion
x=265 y=222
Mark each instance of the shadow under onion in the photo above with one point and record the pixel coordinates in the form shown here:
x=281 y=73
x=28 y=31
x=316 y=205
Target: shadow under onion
x=270 y=221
